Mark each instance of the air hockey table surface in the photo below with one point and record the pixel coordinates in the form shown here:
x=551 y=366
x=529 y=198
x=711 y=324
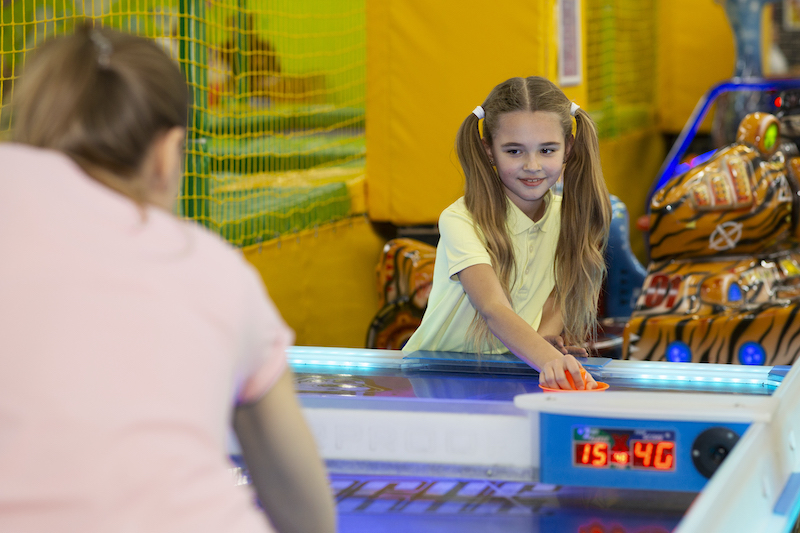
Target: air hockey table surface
x=387 y=426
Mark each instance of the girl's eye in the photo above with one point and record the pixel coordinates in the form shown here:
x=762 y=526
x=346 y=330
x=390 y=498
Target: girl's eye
x=548 y=150
x=513 y=151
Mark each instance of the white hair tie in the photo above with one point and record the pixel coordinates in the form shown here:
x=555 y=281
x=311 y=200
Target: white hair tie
x=573 y=108
x=104 y=48
x=479 y=112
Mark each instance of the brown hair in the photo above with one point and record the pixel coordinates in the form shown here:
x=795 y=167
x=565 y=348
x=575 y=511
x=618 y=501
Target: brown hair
x=101 y=97
x=585 y=213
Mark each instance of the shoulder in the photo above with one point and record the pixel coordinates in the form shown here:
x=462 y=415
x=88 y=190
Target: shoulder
x=223 y=281
x=14 y=151
x=18 y=152
x=202 y=257
x=455 y=214
x=457 y=207
x=456 y=223
x=29 y=160
x=213 y=249
x=459 y=235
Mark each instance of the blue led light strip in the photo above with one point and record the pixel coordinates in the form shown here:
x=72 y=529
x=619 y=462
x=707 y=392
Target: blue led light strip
x=601 y=368
x=658 y=371
x=345 y=358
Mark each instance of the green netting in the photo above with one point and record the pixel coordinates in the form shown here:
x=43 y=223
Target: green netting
x=278 y=91
x=273 y=152
x=621 y=64
x=256 y=215
x=281 y=118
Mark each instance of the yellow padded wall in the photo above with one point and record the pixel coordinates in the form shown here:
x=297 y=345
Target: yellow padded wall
x=630 y=163
x=428 y=65
x=696 y=51
x=323 y=281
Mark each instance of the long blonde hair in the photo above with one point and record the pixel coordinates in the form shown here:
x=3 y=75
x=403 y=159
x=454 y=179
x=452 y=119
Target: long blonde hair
x=585 y=209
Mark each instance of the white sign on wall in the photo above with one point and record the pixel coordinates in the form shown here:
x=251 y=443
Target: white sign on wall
x=569 y=43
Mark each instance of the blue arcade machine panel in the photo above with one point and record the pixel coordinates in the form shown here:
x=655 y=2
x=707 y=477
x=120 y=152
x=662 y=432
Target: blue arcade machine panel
x=640 y=454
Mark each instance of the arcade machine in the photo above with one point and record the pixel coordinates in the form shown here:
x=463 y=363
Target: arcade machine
x=444 y=442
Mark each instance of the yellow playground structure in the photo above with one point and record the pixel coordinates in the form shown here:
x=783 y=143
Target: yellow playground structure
x=321 y=129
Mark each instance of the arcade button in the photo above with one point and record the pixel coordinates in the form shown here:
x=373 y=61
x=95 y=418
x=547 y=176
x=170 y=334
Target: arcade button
x=711 y=447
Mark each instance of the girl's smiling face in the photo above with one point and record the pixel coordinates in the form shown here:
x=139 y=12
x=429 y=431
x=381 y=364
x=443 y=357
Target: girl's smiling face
x=528 y=149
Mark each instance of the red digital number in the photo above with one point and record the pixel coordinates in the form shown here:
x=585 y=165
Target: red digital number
x=600 y=454
x=620 y=458
x=659 y=455
x=664 y=455
x=587 y=448
x=642 y=454
x=592 y=454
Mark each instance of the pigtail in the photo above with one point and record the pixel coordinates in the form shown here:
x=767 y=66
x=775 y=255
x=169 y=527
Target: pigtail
x=487 y=202
x=585 y=220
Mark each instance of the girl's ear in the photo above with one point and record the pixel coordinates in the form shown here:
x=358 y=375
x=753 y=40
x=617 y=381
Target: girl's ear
x=568 y=144
x=166 y=170
x=488 y=149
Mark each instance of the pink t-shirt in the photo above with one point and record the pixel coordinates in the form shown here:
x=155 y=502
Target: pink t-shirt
x=125 y=339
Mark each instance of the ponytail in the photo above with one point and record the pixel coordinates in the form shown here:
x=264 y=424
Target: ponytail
x=585 y=220
x=487 y=202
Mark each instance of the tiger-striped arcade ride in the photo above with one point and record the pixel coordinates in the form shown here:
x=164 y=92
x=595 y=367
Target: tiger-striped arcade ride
x=723 y=284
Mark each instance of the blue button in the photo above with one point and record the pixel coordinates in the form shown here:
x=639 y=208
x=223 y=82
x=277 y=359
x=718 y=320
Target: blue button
x=679 y=352
x=734 y=293
x=752 y=353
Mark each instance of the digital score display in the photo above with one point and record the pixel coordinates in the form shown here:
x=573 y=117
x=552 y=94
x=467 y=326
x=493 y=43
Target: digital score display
x=628 y=449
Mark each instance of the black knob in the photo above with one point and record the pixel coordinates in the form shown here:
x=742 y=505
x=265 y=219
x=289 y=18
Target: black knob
x=711 y=447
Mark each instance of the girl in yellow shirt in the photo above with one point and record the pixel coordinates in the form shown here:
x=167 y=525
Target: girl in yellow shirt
x=519 y=268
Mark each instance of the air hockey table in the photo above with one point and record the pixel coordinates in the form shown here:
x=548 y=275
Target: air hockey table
x=434 y=441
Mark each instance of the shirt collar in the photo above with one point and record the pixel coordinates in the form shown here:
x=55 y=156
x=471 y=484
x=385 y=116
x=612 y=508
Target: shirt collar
x=518 y=222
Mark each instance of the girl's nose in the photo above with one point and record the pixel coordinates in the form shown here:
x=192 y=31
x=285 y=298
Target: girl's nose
x=532 y=164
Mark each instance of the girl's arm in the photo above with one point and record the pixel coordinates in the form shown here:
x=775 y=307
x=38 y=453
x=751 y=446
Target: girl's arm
x=486 y=295
x=283 y=462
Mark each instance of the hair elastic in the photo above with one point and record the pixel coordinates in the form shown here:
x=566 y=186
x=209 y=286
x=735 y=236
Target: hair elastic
x=479 y=112
x=573 y=108
x=104 y=48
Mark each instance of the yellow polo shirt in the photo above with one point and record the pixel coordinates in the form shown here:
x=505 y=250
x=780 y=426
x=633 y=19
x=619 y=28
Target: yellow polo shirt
x=445 y=324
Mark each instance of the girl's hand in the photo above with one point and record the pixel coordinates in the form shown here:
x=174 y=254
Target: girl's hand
x=558 y=343
x=554 y=374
